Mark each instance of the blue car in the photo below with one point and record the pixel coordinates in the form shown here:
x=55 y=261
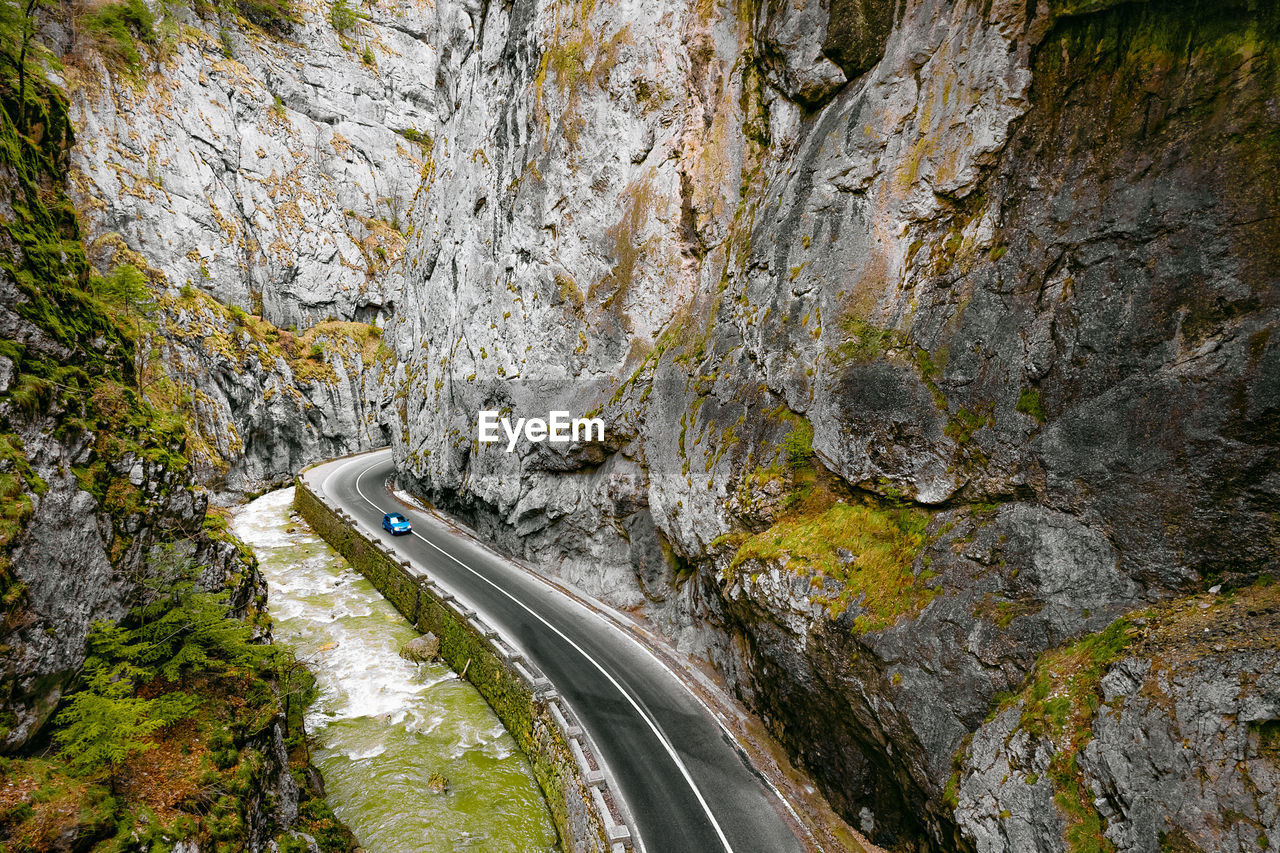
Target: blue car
x=395 y=523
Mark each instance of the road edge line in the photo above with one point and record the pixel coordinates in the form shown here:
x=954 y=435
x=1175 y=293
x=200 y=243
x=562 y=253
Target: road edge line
x=508 y=682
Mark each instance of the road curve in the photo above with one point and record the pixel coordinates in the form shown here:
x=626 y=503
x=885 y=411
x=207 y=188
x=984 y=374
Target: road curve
x=684 y=782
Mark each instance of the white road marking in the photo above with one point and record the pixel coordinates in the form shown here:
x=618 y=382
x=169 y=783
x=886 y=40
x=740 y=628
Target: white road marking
x=613 y=622
x=675 y=758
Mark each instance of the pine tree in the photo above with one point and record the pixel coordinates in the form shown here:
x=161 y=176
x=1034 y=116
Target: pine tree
x=343 y=16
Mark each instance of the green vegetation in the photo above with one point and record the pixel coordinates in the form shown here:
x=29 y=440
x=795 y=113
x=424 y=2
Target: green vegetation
x=1062 y=696
x=96 y=325
x=117 y=28
x=1059 y=704
x=963 y=423
x=343 y=17
x=15 y=507
x=228 y=46
x=864 y=343
x=242 y=338
x=178 y=687
x=164 y=737
x=305 y=352
x=1029 y=404
x=798 y=445
x=876 y=571
x=181 y=633
x=22 y=57
x=106 y=723
x=868 y=546
x=576 y=55
x=417 y=137
x=275 y=16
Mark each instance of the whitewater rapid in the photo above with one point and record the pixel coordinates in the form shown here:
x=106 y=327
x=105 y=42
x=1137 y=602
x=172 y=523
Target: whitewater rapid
x=382 y=726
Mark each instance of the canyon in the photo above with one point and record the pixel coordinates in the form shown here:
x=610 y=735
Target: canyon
x=934 y=340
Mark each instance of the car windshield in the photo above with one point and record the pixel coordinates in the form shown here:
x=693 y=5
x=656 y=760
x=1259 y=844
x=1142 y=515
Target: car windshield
x=395 y=517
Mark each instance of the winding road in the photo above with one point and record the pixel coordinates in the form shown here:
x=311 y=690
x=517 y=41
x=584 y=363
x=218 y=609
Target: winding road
x=685 y=784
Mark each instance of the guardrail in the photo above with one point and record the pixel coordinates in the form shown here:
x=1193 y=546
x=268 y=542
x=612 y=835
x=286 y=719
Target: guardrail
x=524 y=699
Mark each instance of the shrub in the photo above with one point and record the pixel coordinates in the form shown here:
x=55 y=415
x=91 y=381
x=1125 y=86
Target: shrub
x=272 y=15
x=343 y=16
x=228 y=46
x=799 y=445
x=105 y=723
x=116 y=28
x=182 y=631
x=126 y=294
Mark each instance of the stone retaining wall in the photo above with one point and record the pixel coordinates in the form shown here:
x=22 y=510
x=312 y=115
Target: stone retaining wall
x=543 y=726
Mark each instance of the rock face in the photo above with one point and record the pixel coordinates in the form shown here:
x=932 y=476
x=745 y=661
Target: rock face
x=98 y=504
x=1006 y=267
x=275 y=175
x=1180 y=755
x=86 y=493
x=77 y=564
x=266 y=402
x=931 y=337
x=267 y=172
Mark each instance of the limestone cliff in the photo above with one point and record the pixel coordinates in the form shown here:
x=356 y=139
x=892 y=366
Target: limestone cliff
x=273 y=172
x=103 y=530
x=931 y=336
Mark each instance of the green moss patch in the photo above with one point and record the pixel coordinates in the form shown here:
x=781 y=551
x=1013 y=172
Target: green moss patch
x=1029 y=404
x=867 y=549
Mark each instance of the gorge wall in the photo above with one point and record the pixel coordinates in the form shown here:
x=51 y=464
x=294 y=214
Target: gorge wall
x=931 y=336
x=194 y=275
x=262 y=180
x=97 y=505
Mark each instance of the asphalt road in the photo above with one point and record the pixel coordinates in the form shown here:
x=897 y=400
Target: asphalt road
x=685 y=784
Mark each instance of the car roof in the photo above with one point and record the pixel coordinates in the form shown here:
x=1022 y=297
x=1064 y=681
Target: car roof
x=395 y=516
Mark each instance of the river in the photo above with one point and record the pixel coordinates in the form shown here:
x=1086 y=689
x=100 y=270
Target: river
x=382 y=726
